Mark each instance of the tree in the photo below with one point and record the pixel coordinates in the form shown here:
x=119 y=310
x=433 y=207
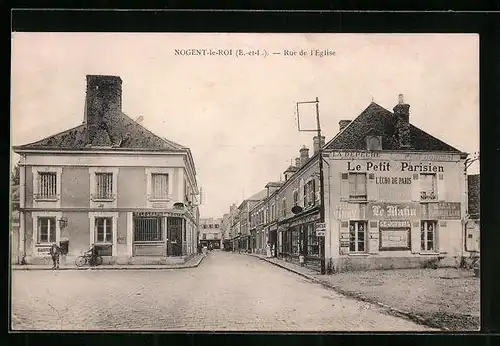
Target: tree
x=15 y=175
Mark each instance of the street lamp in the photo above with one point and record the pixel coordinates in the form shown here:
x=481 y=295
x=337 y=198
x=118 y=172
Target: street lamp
x=321 y=178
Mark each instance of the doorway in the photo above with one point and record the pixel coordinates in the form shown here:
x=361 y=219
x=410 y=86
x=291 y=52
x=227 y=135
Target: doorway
x=174 y=236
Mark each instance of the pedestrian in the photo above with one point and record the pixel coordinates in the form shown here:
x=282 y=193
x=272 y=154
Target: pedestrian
x=268 y=249
x=55 y=250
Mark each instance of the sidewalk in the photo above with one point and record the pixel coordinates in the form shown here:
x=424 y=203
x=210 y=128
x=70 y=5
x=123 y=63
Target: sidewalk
x=191 y=263
x=351 y=284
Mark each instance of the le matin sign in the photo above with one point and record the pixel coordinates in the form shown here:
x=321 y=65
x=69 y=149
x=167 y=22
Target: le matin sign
x=392 y=211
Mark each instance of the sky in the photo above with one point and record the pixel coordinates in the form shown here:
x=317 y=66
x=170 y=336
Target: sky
x=237 y=114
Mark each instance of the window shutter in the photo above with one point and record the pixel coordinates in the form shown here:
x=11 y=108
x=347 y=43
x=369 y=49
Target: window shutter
x=415 y=237
x=373 y=237
x=371 y=188
x=344 y=237
x=415 y=188
x=441 y=187
x=442 y=237
x=344 y=186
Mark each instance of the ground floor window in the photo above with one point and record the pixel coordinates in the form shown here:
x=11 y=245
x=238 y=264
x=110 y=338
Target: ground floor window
x=357 y=236
x=103 y=230
x=46 y=230
x=428 y=235
x=295 y=241
x=148 y=229
x=312 y=241
x=287 y=242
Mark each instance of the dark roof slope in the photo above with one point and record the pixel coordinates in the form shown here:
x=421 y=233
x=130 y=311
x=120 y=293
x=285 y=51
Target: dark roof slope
x=474 y=184
x=377 y=120
x=134 y=137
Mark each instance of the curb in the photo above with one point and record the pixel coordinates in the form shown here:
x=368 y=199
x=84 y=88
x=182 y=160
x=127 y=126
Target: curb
x=396 y=312
x=125 y=267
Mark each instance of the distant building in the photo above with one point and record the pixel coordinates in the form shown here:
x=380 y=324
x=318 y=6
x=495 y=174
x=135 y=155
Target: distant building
x=211 y=233
x=108 y=182
x=473 y=222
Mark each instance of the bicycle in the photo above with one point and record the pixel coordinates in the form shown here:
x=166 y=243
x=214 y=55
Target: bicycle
x=90 y=258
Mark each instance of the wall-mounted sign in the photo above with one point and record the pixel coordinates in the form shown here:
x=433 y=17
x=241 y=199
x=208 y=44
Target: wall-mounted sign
x=442 y=211
x=340 y=155
x=388 y=166
x=394 y=239
x=121 y=240
x=349 y=211
x=381 y=211
x=393 y=180
x=394 y=224
x=320 y=233
x=320 y=226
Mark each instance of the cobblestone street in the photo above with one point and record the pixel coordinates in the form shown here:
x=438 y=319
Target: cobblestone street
x=226 y=292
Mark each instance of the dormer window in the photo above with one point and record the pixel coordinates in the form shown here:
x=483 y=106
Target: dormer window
x=374 y=142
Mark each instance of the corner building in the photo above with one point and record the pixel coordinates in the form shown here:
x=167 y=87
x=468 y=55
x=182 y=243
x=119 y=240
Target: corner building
x=108 y=182
x=395 y=196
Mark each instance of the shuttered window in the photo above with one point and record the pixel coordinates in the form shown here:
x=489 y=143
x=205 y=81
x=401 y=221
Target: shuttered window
x=46 y=229
x=357 y=186
x=47 y=186
x=159 y=183
x=104 y=186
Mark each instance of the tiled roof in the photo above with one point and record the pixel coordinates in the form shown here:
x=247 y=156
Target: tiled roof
x=474 y=195
x=133 y=136
x=378 y=120
x=258 y=196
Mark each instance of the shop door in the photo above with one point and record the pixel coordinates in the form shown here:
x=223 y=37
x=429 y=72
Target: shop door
x=174 y=236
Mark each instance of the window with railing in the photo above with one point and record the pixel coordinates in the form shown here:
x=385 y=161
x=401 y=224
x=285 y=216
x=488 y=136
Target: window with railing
x=148 y=229
x=103 y=186
x=159 y=185
x=357 y=186
x=428 y=187
x=47 y=185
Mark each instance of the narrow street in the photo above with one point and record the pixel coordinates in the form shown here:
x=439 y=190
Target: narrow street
x=226 y=292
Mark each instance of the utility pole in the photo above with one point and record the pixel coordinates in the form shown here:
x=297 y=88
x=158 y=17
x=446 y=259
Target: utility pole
x=321 y=239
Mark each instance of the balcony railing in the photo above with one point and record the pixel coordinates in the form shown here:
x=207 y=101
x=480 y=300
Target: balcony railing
x=45 y=197
x=428 y=196
x=97 y=197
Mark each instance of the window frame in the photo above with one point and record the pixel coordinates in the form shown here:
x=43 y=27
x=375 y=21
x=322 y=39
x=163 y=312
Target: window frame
x=425 y=232
x=162 y=196
x=356 y=224
x=434 y=197
x=38 y=201
x=95 y=195
x=51 y=233
x=357 y=197
x=312 y=240
x=113 y=216
x=107 y=221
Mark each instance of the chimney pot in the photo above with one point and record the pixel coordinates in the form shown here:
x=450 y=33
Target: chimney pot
x=401 y=99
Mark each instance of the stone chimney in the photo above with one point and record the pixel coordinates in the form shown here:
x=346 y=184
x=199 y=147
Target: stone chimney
x=402 y=121
x=343 y=124
x=297 y=162
x=318 y=144
x=304 y=155
x=289 y=172
x=103 y=110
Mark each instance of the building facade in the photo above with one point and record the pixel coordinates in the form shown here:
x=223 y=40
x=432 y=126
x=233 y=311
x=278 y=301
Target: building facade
x=396 y=195
x=211 y=233
x=473 y=220
x=108 y=182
